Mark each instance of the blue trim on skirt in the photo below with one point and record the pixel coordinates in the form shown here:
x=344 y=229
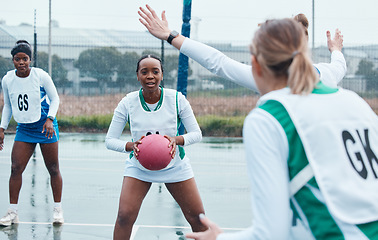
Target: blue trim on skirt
x=32 y=132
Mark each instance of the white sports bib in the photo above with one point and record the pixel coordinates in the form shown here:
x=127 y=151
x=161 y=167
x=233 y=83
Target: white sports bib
x=341 y=144
x=162 y=121
x=25 y=96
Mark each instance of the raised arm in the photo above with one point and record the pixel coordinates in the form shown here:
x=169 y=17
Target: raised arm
x=158 y=27
x=332 y=73
x=335 y=44
x=208 y=57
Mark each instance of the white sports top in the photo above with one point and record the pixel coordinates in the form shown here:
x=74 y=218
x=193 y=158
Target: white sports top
x=220 y=64
x=121 y=117
x=15 y=90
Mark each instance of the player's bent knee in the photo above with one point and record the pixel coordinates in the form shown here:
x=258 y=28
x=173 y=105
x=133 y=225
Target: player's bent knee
x=16 y=170
x=54 y=170
x=126 y=218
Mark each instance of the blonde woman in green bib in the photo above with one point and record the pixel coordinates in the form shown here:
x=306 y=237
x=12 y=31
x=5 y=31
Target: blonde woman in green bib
x=311 y=149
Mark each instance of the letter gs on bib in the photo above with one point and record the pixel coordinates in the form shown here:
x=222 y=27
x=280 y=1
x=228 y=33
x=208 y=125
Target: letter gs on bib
x=23 y=104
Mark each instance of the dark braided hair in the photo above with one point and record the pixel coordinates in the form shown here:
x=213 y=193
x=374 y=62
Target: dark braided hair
x=149 y=56
x=22 y=46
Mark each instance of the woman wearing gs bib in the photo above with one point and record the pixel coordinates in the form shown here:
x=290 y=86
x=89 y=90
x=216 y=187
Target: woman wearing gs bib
x=31 y=97
x=152 y=110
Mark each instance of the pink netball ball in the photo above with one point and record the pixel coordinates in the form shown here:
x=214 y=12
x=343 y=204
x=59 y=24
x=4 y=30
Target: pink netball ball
x=154 y=153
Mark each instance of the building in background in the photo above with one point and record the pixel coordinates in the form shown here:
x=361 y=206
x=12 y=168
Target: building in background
x=68 y=44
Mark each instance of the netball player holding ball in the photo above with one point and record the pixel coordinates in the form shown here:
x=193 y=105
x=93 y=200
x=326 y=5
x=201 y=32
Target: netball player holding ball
x=149 y=111
x=31 y=97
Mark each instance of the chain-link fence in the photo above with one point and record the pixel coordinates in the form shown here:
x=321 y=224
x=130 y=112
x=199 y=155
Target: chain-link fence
x=93 y=70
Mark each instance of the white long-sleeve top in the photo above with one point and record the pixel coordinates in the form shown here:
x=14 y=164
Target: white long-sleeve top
x=267 y=155
x=45 y=82
x=220 y=64
x=120 y=118
x=267 y=145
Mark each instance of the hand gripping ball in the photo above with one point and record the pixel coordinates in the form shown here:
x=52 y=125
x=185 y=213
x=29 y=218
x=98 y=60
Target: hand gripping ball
x=154 y=153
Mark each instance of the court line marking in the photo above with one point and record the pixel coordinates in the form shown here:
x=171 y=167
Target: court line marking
x=106 y=159
x=134 y=232
x=70 y=224
x=136 y=226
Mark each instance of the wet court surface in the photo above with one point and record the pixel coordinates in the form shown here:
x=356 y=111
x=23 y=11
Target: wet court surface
x=92 y=178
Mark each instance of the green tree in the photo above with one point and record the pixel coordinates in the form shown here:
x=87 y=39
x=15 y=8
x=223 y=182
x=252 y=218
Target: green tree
x=171 y=68
x=58 y=71
x=366 y=69
x=99 y=63
x=5 y=66
x=126 y=68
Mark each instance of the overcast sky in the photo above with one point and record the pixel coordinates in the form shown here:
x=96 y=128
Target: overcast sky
x=219 y=20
